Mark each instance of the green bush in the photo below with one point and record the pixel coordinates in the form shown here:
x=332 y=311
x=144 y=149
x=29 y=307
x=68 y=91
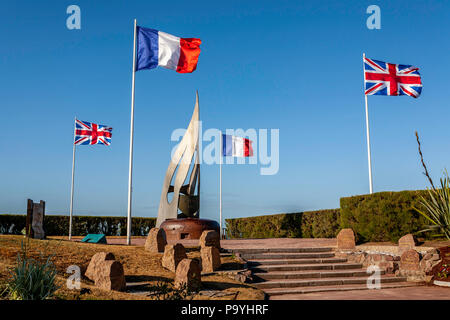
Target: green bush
x=313 y=224
x=383 y=216
x=55 y=225
x=321 y=224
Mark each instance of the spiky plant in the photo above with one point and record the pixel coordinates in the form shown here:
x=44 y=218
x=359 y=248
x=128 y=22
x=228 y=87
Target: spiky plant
x=32 y=279
x=437 y=205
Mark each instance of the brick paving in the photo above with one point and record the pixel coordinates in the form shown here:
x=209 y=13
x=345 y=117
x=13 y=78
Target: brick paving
x=410 y=293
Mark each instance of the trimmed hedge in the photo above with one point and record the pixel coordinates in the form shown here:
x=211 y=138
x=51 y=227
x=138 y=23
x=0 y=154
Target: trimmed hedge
x=81 y=225
x=383 y=216
x=313 y=224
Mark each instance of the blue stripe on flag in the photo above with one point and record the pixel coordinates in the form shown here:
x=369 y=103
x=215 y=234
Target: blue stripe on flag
x=147 y=48
x=227 y=145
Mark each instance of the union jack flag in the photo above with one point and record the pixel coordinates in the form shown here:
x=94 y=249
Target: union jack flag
x=91 y=133
x=388 y=79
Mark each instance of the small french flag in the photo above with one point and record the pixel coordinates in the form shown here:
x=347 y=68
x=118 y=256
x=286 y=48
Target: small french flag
x=157 y=48
x=236 y=146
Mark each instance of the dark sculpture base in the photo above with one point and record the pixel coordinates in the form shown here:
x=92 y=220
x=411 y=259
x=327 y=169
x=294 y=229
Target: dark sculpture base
x=187 y=228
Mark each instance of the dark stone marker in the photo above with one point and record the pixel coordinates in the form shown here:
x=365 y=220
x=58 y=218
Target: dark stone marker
x=35 y=219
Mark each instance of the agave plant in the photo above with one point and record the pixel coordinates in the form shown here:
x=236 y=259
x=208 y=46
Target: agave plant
x=32 y=279
x=437 y=206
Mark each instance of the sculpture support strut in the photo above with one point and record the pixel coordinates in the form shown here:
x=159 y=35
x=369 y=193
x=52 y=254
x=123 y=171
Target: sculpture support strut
x=186 y=197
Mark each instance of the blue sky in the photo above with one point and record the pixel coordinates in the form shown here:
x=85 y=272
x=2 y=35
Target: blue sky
x=295 y=66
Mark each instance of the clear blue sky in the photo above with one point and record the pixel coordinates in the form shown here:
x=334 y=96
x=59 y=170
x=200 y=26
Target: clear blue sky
x=291 y=65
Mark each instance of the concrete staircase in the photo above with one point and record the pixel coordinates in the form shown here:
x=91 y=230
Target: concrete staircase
x=287 y=271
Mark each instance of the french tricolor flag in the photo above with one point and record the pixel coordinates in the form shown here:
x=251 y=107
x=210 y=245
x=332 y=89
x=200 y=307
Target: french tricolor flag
x=157 y=48
x=236 y=146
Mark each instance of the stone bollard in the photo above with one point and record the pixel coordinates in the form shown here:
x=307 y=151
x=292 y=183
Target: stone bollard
x=346 y=239
x=406 y=243
x=188 y=274
x=210 y=259
x=173 y=254
x=210 y=238
x=156 y=240
x=106 y=272
x=94 y=265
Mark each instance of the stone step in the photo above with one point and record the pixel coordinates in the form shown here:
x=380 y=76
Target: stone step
x=272 y=256
x=282 y=250
x=302 y=267
x=286 y=293
x=312 y=274
x=294 y=283
x=294 y=261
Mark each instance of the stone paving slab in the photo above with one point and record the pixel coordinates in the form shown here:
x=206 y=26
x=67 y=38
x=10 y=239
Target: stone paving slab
x=409 y=293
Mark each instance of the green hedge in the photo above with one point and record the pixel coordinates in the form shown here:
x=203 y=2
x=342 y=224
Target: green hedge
x=55 y=225
x=383 y=216
x=313 y=224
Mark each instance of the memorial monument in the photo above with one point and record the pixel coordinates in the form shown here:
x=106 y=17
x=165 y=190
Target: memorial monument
x=179 y=206
x=34 y=227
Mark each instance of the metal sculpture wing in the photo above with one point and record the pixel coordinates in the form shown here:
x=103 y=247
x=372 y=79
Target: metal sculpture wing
x=184 y=197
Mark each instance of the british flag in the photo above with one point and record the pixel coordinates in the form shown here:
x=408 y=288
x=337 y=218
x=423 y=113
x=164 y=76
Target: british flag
x=91 y=133
x=388 y=79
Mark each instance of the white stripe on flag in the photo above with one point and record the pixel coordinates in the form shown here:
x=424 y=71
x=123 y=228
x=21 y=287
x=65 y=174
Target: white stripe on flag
x=168 y=50
x=238 y=146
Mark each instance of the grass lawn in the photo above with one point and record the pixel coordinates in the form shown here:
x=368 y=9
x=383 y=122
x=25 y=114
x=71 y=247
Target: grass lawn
x=139 y=265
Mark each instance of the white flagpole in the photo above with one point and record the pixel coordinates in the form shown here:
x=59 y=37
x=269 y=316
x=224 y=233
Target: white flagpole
x=71 y=188
x=368 y=136
x=130 y=169
x=220 y=183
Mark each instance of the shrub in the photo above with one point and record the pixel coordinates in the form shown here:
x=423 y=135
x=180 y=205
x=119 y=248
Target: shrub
x=57 y=225
x=32 y=279
x=316 y=224
x=382 y=216
x=321 y=224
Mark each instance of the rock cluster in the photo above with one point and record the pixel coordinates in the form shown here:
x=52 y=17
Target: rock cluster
x=106 y=272
x=404 y=260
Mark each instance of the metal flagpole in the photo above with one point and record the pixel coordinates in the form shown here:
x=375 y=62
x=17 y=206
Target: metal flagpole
x=130 y=169
x=368 y=135
x=71 y=188
x=220 y=183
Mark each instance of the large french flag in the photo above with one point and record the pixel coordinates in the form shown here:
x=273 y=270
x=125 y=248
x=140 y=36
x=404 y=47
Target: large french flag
x=236 y=146
x=157 y=48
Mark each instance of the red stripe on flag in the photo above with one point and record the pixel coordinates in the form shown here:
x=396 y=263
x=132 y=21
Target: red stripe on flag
x=248 y=149
x=189 y=52
x=94 y=134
